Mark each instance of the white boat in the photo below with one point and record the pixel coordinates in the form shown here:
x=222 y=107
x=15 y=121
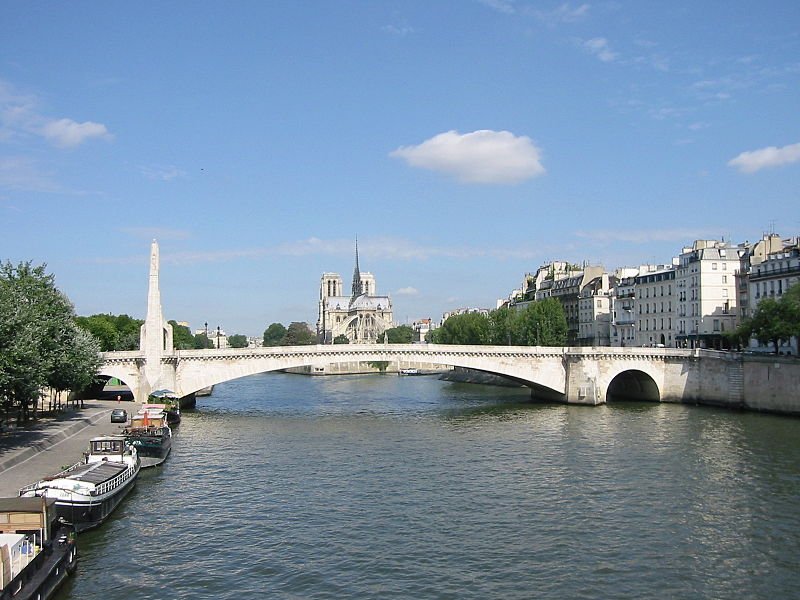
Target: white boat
x=89 y=491
x=410 y=371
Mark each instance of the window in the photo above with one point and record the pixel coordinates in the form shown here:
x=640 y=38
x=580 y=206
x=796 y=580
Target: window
x=724 y=279
x=713 y=266
x=716 y=324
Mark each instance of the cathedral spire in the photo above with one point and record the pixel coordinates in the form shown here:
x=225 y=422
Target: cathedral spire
x=357 y=288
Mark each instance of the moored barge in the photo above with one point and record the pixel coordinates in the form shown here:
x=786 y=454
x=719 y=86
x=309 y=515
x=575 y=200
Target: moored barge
x=89 y=491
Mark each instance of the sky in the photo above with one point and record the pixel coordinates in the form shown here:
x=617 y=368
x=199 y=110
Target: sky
x=464 y=143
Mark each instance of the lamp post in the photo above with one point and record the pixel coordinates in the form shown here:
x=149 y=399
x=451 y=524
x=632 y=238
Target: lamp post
x=206 y=341
x=217 y=337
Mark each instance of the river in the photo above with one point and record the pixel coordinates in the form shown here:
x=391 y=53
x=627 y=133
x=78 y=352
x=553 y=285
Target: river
x=288 y=486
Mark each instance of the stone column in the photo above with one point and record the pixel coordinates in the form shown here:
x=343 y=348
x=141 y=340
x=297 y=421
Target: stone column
x=155 y=338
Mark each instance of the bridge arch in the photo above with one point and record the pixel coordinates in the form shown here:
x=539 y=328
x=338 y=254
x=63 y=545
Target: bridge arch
x=543 y=368
x=633 y=384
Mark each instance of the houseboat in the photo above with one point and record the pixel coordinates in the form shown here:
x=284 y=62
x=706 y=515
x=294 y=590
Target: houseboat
x=150 y=434
x=37 y=551
x=89 y=491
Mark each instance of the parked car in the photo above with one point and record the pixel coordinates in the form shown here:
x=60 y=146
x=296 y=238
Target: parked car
x=119 y=415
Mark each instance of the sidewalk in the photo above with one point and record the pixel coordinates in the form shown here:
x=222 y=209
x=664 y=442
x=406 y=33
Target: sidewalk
x=30 y=453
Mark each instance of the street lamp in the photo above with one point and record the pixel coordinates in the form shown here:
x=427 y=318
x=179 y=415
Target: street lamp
x=205 y=344
x=217 y=337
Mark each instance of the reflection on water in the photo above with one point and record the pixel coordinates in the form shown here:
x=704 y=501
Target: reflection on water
x=393 y=487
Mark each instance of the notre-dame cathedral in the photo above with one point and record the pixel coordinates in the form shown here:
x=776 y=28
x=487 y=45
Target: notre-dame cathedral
x=361 y=317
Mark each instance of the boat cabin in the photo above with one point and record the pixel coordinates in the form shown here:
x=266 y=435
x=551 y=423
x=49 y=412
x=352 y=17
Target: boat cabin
x=107 y=446
x=26 y=524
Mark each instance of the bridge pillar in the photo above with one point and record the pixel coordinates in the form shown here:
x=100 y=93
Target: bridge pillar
x=583 y=382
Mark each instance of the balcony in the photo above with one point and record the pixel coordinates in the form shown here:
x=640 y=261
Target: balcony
x=772 y=273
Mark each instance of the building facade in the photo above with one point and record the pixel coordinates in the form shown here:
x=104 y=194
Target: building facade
x=361 y=317
x=705 y=280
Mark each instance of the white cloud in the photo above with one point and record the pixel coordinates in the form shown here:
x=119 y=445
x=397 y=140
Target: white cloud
x=160 y=173
x=503 y=6
x=398 y=30
x=407 y=291
x=564 y=13
x=483 y=156
x=67 y=133
x=600 y=48
x=157 y=233
x=750 y=162
x=643 y=236
x=20 y=117
x=23 y=174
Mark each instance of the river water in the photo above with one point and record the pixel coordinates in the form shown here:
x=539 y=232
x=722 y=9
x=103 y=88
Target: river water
x=288 y=486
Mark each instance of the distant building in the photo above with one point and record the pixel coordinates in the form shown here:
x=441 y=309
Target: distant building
x=768 y=269
x=421 y=328
x=464 y=311
x=706 y=288
x=656 y=302
x=594 y=312
x=361 y=317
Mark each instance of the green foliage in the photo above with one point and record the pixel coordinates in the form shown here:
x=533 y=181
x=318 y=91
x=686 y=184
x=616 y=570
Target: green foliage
x=274 y=334
x=40 y=343
x=299 y=334
x=403 y=334
x=381 y=365
x=341 y=339
x=237 y=341
x=182 y=338
x=541 y=323
x=113 y=332
x=778 y=320
x=202 y=342
x=469 y=328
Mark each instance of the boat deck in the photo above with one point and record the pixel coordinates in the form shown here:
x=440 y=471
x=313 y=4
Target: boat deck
x=98 y=472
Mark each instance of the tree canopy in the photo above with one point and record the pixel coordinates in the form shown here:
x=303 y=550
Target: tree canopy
x=775 y=320
x=40 y=343
x=237 y=340
x=113 y=332
x=274 y=334
x=541 y=323
x=403 y=334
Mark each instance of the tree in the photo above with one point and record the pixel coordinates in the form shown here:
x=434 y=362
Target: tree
x=113 y=332
x=468 y=328
x=403 y=334
x=298 y=334
x=274 y=334
x=542 y=323
x=40 y=344
x=341 y=339
x=776 y=321
x=201 y=342
x=501 y=325
x=182 y=338
x=237 y=341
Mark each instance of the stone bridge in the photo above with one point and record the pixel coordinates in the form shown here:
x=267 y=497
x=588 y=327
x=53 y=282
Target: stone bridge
x=575 y=375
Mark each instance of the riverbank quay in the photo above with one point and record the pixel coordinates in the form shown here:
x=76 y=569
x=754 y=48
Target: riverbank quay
x=45 y=446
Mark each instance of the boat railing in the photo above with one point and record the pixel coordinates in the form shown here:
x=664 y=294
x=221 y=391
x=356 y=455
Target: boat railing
x=115 y=482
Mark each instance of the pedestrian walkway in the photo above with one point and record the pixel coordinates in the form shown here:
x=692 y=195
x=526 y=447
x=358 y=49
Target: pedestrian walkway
x=29 y=453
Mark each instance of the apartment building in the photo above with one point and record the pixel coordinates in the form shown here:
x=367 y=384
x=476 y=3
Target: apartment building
x=655 y=306
x=705 y=281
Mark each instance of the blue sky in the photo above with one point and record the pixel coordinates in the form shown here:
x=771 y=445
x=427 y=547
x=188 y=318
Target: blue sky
x=464 y=142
